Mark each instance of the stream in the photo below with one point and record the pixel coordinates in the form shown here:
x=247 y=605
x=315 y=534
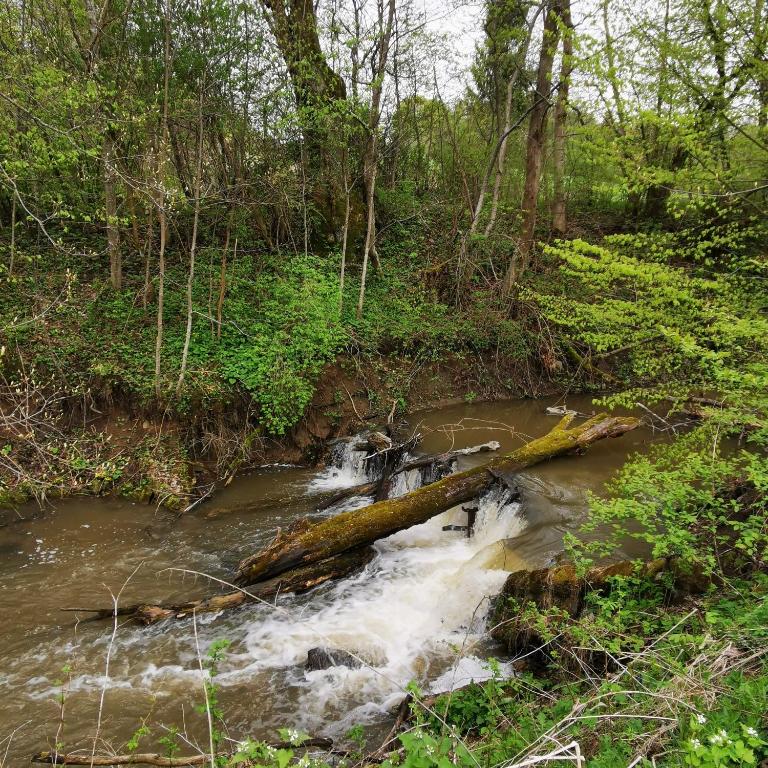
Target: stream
x=416 y=612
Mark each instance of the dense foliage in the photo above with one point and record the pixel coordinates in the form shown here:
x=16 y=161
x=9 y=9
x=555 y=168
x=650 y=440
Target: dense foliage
x=206 y=205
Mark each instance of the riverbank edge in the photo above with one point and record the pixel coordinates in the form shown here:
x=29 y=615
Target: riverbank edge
x=115 y=446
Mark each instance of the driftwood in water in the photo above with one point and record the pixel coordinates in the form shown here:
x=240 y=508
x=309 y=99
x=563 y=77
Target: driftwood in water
x=364 y=526
x=446 y=458
x=441 y=464
x=298 y=580
x=365 y=489
x=152 y=758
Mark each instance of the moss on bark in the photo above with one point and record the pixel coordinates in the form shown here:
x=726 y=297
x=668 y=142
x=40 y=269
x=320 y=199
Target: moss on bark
x=364 y=526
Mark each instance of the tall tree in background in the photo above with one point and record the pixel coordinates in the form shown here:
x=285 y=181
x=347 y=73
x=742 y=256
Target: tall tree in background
x=320 y=96
x=370 y=161
x=508 y=30
x=537 y=132
x=559 y=208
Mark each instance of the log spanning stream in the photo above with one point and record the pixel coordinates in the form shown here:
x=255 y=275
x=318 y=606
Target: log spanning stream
x=423 y=596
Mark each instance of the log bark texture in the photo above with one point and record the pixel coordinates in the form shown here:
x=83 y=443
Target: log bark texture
x=364 y=526
x=298 y=580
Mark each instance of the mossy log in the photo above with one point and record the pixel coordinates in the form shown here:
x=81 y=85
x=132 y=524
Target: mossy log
x=364 y=526
x=559 y=594
x=298 y=580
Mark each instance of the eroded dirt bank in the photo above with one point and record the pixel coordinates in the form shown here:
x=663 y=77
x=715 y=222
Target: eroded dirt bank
x=105 y=444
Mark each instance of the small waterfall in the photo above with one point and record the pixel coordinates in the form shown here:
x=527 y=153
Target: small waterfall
x=347 y=467
x=424 y=595
x=405 y=482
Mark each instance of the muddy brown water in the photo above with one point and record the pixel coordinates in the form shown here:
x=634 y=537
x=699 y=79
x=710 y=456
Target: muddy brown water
x=421 y=599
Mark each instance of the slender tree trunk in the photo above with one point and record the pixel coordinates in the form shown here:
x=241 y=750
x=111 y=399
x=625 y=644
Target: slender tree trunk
x=160 y=191
x=223 y=278
x=371 y=160
x=193 y=243
x=502 y=157
x=148 y=258
x=110 y=206
x=497 y=160
x=344 y=239
x=610 y=55
x=130 y=199
x=535 y=150
x=369 y=235
x=13 y=236
x=559 y=208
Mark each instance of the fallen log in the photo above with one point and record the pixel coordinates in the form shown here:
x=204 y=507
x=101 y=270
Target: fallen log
x=440 y=463
x=364 y=489
x=444 y=458
x=152 y=758
x=364 y=526
x=298 y=580
x=560 y=595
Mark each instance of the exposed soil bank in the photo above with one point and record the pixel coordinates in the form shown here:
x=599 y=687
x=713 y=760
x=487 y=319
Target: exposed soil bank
x=106 y=444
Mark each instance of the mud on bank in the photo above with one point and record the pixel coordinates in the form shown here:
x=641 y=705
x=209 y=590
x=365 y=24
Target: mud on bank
x=101 y=441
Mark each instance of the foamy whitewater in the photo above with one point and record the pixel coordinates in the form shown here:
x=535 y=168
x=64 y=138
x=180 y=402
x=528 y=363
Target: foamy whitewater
x=416 y=612
x=419 y=607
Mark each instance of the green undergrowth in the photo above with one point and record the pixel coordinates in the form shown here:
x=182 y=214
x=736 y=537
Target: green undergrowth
x=280 y=325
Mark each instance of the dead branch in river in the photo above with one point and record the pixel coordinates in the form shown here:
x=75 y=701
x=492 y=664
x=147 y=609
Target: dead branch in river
x=364 y=526
x=298 y=580
x=152 y=758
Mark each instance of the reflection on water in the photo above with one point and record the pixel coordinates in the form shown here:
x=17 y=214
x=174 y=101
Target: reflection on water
x=405 y=615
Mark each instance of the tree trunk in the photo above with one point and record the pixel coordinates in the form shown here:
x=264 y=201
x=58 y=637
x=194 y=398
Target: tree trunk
x=13 y=236
x=371 y=158
x=535 y=150
x=223 y=281
x=193 y=243
x=344 y=240
x=502 y=156
x=364 y=526
x=317 y=90
x=110 y=210
x=161 y=196
x=559 y=210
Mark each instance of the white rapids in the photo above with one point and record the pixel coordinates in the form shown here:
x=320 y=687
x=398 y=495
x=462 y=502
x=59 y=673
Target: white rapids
x=416 y=612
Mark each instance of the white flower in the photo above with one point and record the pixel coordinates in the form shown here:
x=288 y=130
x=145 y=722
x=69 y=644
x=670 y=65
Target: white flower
x=701 y=719
x=716 y=739
x=430 y=749
x=751 y=732
x=695 y=743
